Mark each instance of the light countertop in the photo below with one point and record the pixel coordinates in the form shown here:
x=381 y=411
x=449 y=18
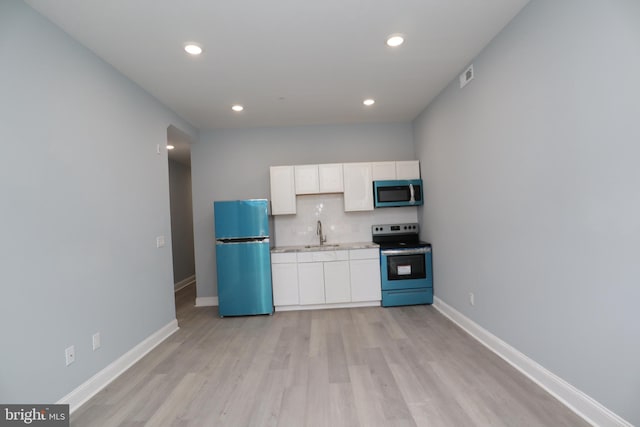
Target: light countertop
x=325 y=247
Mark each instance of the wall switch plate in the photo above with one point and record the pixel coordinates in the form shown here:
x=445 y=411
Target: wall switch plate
x=158 y=149
x=70 y=355
x=472 y=298
x=96 y=341
x=159 y=241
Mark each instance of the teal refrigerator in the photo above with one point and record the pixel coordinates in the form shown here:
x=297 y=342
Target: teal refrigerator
x=243 y=259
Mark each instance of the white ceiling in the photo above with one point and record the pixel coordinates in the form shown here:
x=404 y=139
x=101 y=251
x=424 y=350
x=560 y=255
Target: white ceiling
x=289 y=62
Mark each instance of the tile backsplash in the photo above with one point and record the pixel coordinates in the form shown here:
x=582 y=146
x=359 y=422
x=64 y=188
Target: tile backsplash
x=337 y=225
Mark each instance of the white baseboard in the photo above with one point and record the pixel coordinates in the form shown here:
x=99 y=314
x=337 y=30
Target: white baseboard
x=93 y=385
x=583 y=405
x=184 y=283
x=206 y=301
x=327 y=306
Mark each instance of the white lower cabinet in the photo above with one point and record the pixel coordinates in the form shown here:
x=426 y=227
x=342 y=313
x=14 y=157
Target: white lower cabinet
x=337 y=286
x=311 y=283
x=364 y=268
x=284 y=274
x=365 y=280
x=340 y=278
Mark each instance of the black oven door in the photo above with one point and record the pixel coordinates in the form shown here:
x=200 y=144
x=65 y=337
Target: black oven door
x=405 y=268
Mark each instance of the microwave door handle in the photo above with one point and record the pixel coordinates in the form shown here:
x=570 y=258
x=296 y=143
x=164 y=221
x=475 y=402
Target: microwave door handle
x=411 y=190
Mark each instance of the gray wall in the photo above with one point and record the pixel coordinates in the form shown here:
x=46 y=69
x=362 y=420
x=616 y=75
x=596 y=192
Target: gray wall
x=84 y=196
x=533 y=193
x=234 y=164
x=181 y=221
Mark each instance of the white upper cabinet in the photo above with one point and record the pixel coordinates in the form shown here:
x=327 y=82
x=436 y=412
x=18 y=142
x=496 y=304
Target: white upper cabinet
x=408 y=169
x=353 y=179
x=330 y=177
x=283 y=192
x=316 y=179
x=306 y=178
x=383 y=170
x=358 y=187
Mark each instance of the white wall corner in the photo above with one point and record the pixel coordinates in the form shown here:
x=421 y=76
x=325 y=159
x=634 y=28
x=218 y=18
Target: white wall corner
x=93 y=385
x=583 y=405
x=206 y=301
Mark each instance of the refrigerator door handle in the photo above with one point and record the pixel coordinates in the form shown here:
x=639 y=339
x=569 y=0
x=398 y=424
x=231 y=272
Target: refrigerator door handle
x=243 y=240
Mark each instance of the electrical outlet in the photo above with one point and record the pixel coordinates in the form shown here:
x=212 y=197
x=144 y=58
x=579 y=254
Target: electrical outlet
x=160 y=241
x=472 y=298
x=96 y=341
x=70 y=355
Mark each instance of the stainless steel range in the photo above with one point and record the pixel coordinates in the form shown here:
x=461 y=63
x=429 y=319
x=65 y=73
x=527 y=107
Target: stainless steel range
x=406 y=270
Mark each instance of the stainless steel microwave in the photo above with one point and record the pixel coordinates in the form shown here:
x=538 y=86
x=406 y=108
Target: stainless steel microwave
x=395 y=193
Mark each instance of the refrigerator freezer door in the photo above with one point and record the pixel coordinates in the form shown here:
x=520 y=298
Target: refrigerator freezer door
x=241 y=218
x=244 y=278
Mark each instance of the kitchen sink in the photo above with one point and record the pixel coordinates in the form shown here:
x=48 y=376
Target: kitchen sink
x=321 y=247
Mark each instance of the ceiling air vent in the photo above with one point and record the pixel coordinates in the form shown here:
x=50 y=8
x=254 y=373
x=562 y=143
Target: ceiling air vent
x=466 y=77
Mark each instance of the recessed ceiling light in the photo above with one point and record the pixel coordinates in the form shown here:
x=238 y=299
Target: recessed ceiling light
x=369 y=102
x=193 y=49
x=395 y=40
x=237 y=108
x=170 y=147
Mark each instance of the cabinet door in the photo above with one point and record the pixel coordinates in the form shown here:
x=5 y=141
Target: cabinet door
x=330 y=177
x=358 y=187
x=365 y=280
x=285 y=284
x=336 y=282
x=306 y=178
x=283 y=193
x=408 y=169
x=383 y=170
x=311 y=283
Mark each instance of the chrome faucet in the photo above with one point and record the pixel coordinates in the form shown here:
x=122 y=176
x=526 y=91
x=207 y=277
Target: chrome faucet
x=319 y=233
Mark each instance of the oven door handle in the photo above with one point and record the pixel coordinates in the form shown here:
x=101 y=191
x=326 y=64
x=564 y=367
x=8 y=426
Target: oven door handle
x=412 y=251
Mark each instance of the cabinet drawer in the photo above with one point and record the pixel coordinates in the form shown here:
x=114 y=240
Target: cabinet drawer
x=323 y=256
x=407 y=297
x=281 y=258
x=373 y=253
x=331 y=256
x=304 y=256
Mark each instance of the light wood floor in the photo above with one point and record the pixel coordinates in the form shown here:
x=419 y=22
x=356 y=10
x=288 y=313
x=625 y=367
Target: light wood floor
x=402 y=366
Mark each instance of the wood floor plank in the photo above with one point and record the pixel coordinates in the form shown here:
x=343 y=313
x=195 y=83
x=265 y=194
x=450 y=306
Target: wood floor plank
x=172 y=408
x=293 y=407
x=372 y=366
x=337 y=359
x=367 y=397
x=317 y=403
x=393 y=404
x=342 y=409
